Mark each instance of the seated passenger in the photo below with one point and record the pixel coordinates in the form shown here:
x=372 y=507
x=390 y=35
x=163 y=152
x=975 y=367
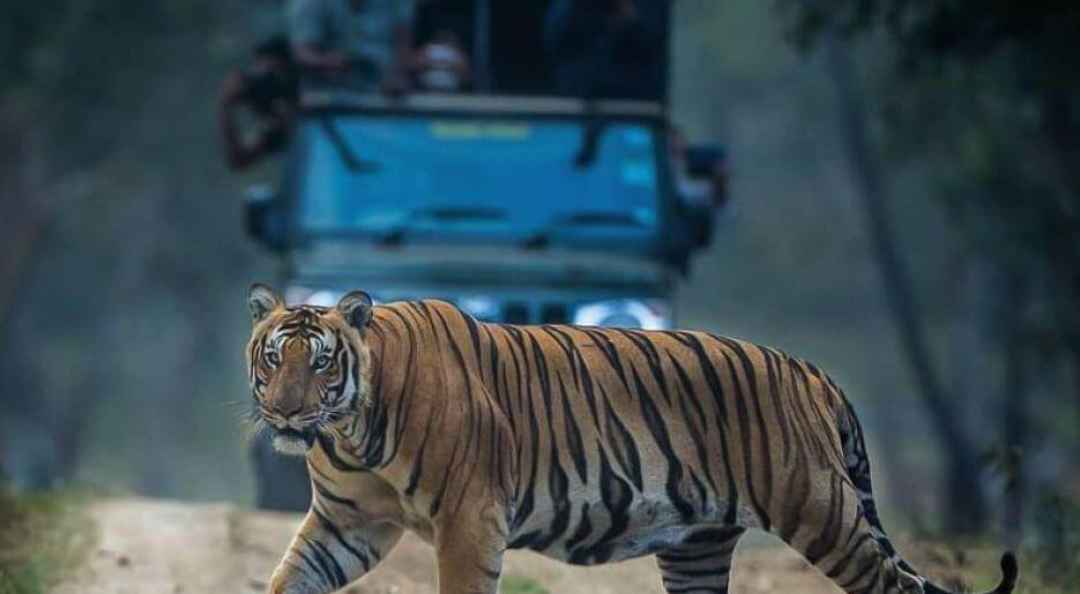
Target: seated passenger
x=358 y=44
x=701 y=183
x=441 y=65
x=602 y=49
x=268 y=90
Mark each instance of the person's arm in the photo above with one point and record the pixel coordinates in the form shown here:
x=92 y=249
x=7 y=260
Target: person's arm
x=464 y=70
x=636 y=36
x=402 y=45
x=567 y=28
x=307 y=19
x=626 y=10
x=310 y=57
x=236 y=154
x=239 y=154
x=396 y=82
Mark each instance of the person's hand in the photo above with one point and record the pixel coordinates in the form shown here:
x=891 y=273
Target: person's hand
x=719 y=183
x=420 y=59
x=233 y=88
x=625 y=10
x=336 y=62
x=396 y=84
x=283 y=111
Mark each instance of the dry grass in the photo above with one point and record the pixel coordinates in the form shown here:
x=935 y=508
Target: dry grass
x=974 y=567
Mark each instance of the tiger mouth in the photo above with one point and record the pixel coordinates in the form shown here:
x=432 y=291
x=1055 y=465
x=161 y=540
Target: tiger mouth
x=291 y=441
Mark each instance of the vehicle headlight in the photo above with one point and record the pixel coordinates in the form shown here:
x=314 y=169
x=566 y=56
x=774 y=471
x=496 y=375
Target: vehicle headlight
x=625 y=313
x=296 y=295
x=480 y=307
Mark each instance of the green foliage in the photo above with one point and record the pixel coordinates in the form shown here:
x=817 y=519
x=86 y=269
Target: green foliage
x=983 y=96
x=985 y=92
x=1004 y=461
x=45 y=536
x=516 y=584
x=109 y=124
x=84 y=67
x=1057 y=538
x=929 y=29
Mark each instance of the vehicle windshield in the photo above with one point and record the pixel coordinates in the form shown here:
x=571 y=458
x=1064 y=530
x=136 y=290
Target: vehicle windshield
x=423 y=178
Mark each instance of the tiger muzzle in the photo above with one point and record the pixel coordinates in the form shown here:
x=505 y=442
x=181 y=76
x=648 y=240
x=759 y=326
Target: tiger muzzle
x=306 y=435
x=294 y=441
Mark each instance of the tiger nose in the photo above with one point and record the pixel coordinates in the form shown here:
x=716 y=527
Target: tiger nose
x=287 y=412
x=288 y=401
x=287 y=422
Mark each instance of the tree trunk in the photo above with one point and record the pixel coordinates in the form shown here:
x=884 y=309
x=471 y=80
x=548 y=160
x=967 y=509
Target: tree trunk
x=1015 y=411
x=965 y=510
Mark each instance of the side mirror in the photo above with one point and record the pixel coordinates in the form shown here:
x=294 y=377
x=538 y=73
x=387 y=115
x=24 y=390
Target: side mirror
x=709 y=163
x=263 y=217
x=703 y=189
x=702 y=160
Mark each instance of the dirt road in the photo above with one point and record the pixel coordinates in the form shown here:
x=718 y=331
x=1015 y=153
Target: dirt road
x=150 y=546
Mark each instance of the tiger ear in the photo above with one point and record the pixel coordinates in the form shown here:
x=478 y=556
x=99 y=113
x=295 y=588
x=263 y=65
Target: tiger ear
x=355 y=307
x=261 y=301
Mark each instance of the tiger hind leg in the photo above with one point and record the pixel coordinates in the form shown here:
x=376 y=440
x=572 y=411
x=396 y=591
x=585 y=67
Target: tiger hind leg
x=834 y=534
x=701 y=564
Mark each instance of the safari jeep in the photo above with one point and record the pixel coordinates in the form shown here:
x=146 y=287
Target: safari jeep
x=517 y=206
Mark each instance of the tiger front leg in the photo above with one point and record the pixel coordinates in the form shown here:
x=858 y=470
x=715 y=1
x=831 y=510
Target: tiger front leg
x=470 y=554
x=325 y=557
x=470 y=567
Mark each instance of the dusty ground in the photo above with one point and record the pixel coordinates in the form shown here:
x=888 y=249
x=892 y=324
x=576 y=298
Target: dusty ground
x=149 y=547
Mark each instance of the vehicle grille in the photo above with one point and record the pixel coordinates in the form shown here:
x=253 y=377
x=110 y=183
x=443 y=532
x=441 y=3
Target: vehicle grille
x=516 y=313
x=554 y=313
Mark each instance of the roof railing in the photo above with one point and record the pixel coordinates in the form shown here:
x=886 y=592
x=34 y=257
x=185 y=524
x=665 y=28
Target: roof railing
x=344 y=100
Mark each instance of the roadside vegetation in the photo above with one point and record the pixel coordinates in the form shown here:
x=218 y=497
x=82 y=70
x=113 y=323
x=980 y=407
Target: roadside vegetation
x=973 y=565
x=44 y=536
x=516 y=584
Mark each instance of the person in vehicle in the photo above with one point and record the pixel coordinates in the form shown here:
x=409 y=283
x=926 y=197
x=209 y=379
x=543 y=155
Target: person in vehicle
x=441 y=65
x=603 y=49
x=700 y=174
x=268 y=90
x=442 y=34
x=358 y=44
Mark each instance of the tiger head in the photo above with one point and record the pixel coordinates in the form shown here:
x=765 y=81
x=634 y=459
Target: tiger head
x=308 y=366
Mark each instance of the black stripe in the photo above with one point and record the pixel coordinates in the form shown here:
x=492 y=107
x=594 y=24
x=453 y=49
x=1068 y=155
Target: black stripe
x=573 y=436
x=654 y=421
x=583 y=530
x=623 y=444
x=744 y=435
x=320 y=570
x=328 y=563
x=329 y=526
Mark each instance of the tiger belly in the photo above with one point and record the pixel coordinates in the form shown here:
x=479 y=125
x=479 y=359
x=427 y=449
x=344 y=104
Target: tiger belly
x=594 y=533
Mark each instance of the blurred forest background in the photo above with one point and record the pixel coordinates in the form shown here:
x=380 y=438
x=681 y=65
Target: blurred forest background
x=906 y=176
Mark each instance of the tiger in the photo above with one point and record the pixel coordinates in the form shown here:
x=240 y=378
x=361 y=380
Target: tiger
x=587 y=445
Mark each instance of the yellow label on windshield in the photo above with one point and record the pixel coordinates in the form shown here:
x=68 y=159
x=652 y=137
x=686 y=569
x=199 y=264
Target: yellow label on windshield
x=480 y=131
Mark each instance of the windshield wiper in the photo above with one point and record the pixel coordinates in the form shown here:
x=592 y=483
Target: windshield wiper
x=620 y=218
x=452 y=214
x=441 y=214
x=348 y=156
x=584 y=218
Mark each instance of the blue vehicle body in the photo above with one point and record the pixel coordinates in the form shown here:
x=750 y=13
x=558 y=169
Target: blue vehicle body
x=482 y=201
